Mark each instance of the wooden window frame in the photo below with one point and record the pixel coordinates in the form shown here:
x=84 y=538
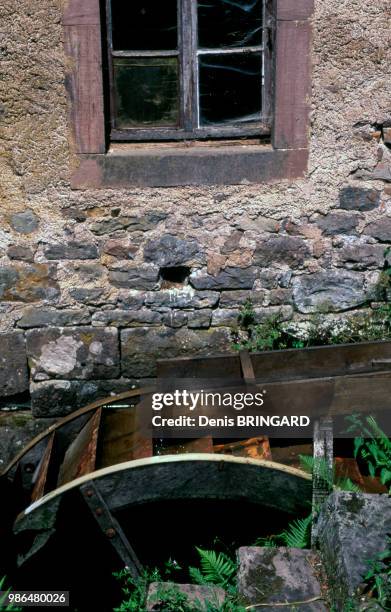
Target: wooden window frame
x=102 y=166
x=187 y=55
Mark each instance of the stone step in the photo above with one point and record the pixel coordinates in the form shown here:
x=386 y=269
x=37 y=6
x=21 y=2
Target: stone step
x=196 y=594
x=279 y=575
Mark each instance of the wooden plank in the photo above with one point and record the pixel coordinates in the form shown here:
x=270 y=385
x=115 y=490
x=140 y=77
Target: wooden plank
x=292 y=364
x=81 y=455
x=290 y=10
x=142 y=446
x=255 y=448
x=198 y=445
x=84 y=84
x=121 y=440
x=81 y=12
x=290 y=455
x=292 y=85
x=42 y=470
x=247 y=367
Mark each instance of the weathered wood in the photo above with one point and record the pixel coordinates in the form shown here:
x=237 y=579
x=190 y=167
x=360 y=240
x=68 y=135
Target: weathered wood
x=71 y=417
x=85 y=87
x=247 y=367
x=290 y=10
x=111 y=528
x=43 y=469
x=81 y=12
x=117 y=431
x=256 y=448
x=292 y=364
x=80 y=457
x=255 y=130
x=141 y=444
x=322 y=476
x=346 y=467
x=292 y=85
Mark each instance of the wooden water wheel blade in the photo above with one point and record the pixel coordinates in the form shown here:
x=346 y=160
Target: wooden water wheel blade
x=142 y=445
x=118 y=439
x=198 y=445
x=257 y=448
x=42 y=471
x=80 y=458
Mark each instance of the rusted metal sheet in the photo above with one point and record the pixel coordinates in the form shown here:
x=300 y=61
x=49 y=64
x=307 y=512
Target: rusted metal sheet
x=81 y=455
x=256 y=448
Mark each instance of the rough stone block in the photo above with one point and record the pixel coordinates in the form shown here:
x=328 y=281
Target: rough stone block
x=358 y=198
x=200 y=319
x=28 y=283
x=24 y=222
x=196 y=594
x=126 y=318
x=229 y=278
x=71 y=250
x=333 y=290
x=288 y=250
x=235 y=299
x=142 y=346
x=352 y=530
x=22 y=253
x=174 y=318
x=169 y=251
x=120 y=248
x=73 y=352
x=84 y=295
x=129 y=223
x=135 y=277
x=380 y=229
x=338 y=223
x=13 y=364
x=361 y=256
x=42 y=317
x=185 y=297
x=16 y=430
x=229 y=317
x=278 y=575
x=55 y=398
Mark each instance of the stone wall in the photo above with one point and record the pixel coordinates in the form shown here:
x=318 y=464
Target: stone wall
x=88 y=296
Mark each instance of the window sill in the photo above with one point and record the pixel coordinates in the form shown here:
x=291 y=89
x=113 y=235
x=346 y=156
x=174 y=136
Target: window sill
x=161 y=166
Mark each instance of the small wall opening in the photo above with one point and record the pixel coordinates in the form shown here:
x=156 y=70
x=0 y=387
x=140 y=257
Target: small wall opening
x=174 y=276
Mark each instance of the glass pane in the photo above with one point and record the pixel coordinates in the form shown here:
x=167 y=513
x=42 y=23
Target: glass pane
x=230 y=88
x=144 y=24
x=146 y=92
x=229 y=23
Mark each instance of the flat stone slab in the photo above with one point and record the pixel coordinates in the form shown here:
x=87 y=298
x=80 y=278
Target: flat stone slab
x=352 y=530
x=279 y=575
x=195 y=593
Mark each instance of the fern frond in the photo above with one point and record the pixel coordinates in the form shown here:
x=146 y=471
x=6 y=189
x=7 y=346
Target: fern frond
x=197 y=576
x=298 y=533
x=345 y=484
x=216 y=568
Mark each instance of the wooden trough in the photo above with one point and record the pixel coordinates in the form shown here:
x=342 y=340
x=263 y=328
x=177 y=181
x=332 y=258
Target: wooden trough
x=100 y=453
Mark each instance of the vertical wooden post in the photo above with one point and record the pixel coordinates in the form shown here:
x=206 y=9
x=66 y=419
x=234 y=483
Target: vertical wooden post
x=322 y=477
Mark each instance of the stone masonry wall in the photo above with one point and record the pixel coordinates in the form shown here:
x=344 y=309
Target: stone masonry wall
x=85 y=305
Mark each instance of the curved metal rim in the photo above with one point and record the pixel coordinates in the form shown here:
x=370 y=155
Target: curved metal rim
x=151 y=461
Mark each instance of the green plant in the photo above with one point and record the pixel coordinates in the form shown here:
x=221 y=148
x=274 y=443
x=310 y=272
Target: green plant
x=3 y=598
x=311 y=464
x=373 y=446
x=297 y=535
x=216 y=568
x=135 y=589
x=378 y=578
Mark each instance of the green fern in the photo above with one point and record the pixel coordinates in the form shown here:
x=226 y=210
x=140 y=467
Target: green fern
x=298 y=534
x=217 y=569
x=197 y=576
x=374 y=446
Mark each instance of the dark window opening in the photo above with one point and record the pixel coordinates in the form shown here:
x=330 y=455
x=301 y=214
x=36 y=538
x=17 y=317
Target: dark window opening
x=189 y=69
x=173 y=276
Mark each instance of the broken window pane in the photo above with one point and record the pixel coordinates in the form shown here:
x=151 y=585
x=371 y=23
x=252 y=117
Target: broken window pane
x=230 y=88
x=144 y=24
x=146 y=92
x=229 y=23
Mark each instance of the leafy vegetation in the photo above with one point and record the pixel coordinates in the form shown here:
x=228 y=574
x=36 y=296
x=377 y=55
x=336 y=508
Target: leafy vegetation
x=373 y=446
x=216 y=568
x=378 y=578
x=274 y=334
x=310 y=464
x=297 y=535
x=3 y=598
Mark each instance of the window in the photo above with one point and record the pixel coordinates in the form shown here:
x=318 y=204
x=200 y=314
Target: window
x=188 y=69
x=200 y=71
